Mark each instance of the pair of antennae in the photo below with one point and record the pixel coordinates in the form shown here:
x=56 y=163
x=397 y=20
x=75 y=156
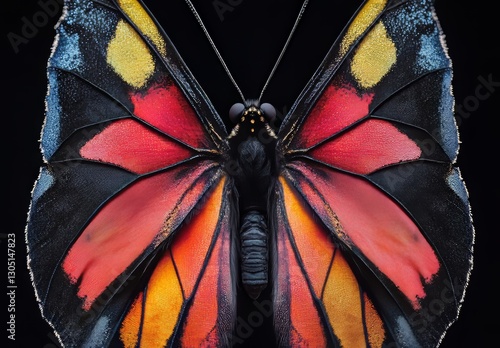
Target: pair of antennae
x=198 y=18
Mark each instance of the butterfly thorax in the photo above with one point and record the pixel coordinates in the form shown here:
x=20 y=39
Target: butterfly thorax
x=252 y=142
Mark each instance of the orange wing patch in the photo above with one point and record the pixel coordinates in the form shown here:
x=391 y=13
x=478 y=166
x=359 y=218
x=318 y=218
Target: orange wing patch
x=315 y=246
x=201 y=325
x=343 y=304
x=318 y=272
x=163 y=295
x=295 y=301
x=129 y=332
x=374 y=325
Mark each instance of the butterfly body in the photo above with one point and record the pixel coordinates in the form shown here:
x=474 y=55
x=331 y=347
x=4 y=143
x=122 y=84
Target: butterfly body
x=253 y=167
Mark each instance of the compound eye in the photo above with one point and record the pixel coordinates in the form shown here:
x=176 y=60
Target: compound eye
x=235 y=112
x=269 y=111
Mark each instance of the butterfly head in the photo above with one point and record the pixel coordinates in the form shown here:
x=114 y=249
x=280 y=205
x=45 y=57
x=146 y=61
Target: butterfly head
x=252 y=119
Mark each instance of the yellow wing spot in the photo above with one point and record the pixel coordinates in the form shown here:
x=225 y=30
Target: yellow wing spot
x=374 y=57
x=140 y=17
x=363 y=20
x=129 y=56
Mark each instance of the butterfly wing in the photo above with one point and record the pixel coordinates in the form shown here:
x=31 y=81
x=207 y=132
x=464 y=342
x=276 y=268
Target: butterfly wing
x=374 y=235
x=132 y=198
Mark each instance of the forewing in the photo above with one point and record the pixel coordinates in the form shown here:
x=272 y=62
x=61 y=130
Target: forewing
x=132 y=149
x=370 y=146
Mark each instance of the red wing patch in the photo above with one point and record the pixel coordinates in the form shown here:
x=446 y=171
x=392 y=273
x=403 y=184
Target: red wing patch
x=339 y=133
x=140 y=216
x=164 y=107
x=365 y=218
x=369 y=146
x=133 y=146
x=337 y=108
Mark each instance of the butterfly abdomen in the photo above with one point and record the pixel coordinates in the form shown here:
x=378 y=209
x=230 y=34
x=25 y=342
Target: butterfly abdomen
x=254 y=253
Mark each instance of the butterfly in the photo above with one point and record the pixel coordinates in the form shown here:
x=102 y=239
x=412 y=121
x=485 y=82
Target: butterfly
x=150 y=220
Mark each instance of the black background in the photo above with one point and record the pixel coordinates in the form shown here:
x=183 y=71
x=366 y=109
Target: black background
x=247 y=35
